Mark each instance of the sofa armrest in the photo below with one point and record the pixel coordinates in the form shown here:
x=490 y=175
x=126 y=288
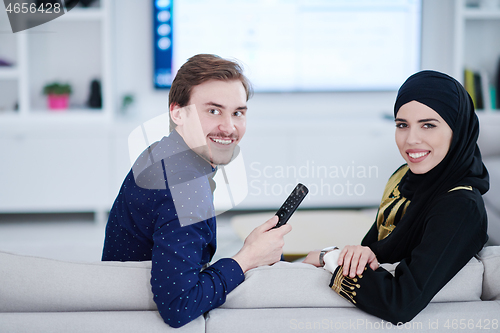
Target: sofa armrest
x=490 y=257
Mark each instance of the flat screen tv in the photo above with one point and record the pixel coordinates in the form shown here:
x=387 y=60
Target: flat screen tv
x=294 y=45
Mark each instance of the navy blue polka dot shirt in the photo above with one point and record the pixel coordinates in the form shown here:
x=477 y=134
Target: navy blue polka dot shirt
x=164 y=213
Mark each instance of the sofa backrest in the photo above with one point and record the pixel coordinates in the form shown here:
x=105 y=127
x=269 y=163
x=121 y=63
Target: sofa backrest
x=31 y=284
x=489 y=134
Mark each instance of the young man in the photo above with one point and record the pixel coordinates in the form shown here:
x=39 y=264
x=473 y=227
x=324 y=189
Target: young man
x=164 y=210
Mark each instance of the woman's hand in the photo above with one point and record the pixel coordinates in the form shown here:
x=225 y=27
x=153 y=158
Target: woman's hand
x=313 y=258
x=355 y=258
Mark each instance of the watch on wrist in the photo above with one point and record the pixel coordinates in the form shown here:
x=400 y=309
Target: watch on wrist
x=325 y=251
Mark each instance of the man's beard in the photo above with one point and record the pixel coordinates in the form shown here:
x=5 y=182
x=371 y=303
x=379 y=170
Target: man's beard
x=213 y=154
x=214 y=157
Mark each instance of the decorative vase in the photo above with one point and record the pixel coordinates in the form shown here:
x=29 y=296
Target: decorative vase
x=58 y=102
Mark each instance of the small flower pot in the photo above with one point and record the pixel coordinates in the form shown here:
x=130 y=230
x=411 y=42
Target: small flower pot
x=57 y=102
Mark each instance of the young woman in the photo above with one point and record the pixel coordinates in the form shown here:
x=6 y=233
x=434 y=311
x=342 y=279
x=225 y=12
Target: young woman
x=432 y=218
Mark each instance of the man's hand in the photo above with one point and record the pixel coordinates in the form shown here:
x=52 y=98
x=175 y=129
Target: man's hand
x=355 y=258
x=313 y=258
x=263 y=246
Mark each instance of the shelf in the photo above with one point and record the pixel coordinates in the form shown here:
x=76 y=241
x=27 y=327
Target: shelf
x=476 y=42
x=74 y=15
x=9 y=114
x=83 y=14
x=8 y=73
x=69 y=116
x=72 y=148
x=71 y=112
x=488 y=111
x=74 y=48
x=482 y=14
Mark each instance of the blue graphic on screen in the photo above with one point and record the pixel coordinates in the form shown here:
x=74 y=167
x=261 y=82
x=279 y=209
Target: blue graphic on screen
x=163 y=42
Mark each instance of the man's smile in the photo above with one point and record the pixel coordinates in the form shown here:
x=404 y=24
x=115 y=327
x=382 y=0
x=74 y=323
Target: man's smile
x=222 y=140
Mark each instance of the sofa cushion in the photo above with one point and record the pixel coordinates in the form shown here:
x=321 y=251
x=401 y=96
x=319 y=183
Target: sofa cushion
x=31 y=284
x=490 y=257
x=436 y=317
x=296 y=285
x=466 y=286
x=285 y=285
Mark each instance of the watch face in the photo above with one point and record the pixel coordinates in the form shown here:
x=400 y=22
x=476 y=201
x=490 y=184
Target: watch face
x=321 y=255
x=325 y=251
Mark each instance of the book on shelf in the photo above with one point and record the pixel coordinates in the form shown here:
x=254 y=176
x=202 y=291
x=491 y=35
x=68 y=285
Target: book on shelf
x=469 y=84
x=496 y=101
x=486 y=91
x=478 y=92
x=482 y=92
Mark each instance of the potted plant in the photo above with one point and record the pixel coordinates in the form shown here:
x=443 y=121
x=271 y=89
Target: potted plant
x=57 y=95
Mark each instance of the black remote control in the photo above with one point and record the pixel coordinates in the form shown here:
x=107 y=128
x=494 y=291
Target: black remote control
x=291 y=203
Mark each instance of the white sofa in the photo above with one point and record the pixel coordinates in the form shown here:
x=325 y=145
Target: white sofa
x=44 y=295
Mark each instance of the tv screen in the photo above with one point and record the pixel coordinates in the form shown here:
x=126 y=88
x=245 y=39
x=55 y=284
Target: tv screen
x=294 y=45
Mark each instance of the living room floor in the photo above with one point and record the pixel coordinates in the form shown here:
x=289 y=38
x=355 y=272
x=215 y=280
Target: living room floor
x=77 y=237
